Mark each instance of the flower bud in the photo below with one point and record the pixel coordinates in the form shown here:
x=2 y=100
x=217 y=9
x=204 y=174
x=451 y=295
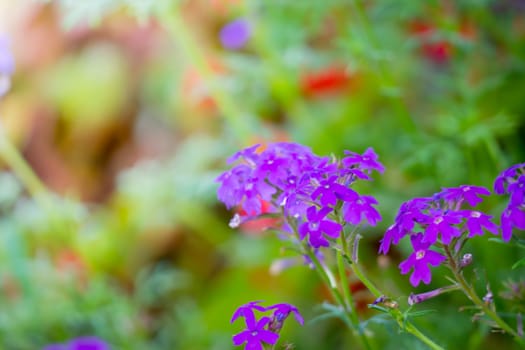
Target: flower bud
x=466 y=260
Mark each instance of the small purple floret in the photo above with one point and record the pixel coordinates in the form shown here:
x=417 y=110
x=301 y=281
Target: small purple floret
x=512 y=181
x=266 y=329
x=419 y=261
x=235 y=34
x=317 y=227
x=81 y=343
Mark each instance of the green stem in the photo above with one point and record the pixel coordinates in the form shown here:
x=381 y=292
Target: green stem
x=395 y=313
x=174 y=23
x=350 y=305
x=16 y=162
x=469 y=291
x=326 y=278
x=353 y=321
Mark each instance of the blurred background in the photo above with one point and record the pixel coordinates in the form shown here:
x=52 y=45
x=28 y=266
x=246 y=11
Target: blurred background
x=126 y=110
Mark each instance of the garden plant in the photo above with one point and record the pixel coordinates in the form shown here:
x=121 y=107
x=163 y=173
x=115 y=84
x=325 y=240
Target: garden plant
x=284 y=174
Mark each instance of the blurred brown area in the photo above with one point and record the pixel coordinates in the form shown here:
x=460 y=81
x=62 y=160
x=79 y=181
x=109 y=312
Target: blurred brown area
x=77 y=142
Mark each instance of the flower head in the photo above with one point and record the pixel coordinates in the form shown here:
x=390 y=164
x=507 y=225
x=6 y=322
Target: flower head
x=477 y=221
x=419 y=261
x=443 y=223
x=316 y=227
x=301 y=185
x=255 y=335
x=361 y=208
x=440 y=217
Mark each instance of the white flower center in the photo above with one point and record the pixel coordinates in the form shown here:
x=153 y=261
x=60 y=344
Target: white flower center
x=420 y=254
x=313 y=226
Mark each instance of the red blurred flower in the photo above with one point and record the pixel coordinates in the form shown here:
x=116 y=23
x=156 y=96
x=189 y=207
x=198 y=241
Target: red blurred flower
x=432 y=47
x=259 y=225
x=437 y=51
x=326 y=81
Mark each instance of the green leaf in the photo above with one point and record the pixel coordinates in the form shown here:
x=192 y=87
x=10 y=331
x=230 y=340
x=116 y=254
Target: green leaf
x=378 y=308
x=518 y=263
x=419 y=313
x=333 y=311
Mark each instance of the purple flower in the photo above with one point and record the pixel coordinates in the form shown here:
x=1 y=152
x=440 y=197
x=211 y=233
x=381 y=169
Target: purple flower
x=507 y=176
x=476 y=221
x=442 y=223
x=392 y=236
x=329 y=191
x=266 y=330
x=315 y=227
x=410 y=213
x=248 y=154
x=81 y=343
x=361 y=207
x=246 y=311
x=511 y=217
x=419 y=298
x=304 y=187
x=465 y=192
x=367 y=161
x=255 y=334
x=419 y=261
x=239 y=187
x=512 y=181
x=7 y=65
x=517 y=191
x=235 y=34
x=282 y=311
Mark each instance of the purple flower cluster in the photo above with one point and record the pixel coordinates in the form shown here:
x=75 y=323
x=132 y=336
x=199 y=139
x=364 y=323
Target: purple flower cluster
x=81 y=343
x=307 y=189
x=7 y=65
x=266 y=329
x=512 y=181
x=438 y=220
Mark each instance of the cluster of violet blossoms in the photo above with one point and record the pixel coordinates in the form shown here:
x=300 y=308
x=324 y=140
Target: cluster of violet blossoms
x=312 y=193
x=263 y=330
x=447 y=219
x=512 y=181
